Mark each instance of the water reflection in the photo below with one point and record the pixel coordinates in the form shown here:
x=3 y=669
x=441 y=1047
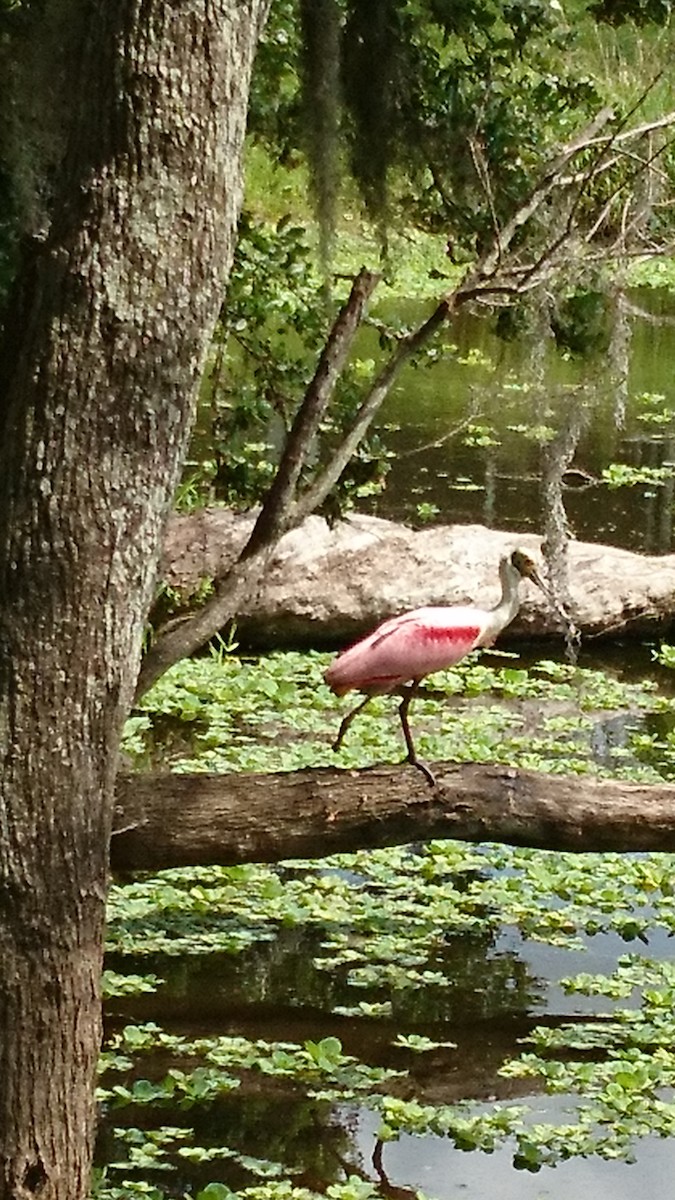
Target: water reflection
x=498 y=986
x=276 y=984
x=505 y=408
x=436 y=1168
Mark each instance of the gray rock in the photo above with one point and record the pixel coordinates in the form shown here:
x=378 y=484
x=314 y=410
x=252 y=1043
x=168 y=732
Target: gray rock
x=330 y=585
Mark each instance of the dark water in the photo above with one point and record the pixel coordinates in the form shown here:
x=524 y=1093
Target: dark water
x=499 y=988
x=517 y=388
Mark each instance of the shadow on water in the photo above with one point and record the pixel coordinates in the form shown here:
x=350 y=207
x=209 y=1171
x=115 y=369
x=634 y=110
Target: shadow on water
x=498 y=989
x=274 y=992
x=275 y=986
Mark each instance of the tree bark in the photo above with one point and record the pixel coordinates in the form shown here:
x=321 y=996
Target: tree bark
x=105 y=339
x=169 y=820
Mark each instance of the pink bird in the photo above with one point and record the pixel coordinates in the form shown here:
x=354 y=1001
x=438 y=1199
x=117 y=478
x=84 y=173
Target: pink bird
x=401 y=652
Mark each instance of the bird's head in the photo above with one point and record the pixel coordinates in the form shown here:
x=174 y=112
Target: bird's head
x=527 y=569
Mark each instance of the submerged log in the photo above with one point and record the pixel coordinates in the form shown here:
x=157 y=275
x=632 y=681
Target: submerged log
x=329 y=585
x=167 y=820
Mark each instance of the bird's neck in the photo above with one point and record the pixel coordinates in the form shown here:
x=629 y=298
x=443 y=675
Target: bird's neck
x=504 y=612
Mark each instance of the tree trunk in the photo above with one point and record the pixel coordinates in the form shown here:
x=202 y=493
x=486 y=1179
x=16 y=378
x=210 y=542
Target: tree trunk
x=106 y=337
x=169 y=820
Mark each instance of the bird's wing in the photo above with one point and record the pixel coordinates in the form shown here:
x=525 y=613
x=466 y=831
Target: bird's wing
x=406 y=647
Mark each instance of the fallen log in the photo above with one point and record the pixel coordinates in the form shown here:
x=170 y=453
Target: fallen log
x=167 y=820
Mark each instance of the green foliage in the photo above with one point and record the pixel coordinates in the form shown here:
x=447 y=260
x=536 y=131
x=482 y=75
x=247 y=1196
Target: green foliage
x=582 y=322
x=621 y=1065
x=397 y=905
x=230 y=713
x=426 y=511
x=448 y=110
x=224 y=1060
x=449 y=114
x=384 y=916
x=666 y=655
x=405 y=935
x=479 y=435
x=402 y=934
x=272 y=330
x=656 y=410
x=114 y=984
x=655 y=273
x=622 y=475
x=273 y=103
x=641 y=12
x=439 y=97
x=103 y=1190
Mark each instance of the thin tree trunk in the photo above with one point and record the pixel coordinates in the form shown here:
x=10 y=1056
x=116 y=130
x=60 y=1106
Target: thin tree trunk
x=276 y=515
x=104 y=345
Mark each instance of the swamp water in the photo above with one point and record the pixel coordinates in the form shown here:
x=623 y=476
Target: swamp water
x=468 y=435
x=261 y=1061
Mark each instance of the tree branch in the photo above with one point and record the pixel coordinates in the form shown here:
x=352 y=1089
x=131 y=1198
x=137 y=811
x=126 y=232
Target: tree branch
x=186 y=820
x=316 y=492
x=276 y=510
x=184 y=637
x=494 y=274
x=481 y=280
x=277 y=514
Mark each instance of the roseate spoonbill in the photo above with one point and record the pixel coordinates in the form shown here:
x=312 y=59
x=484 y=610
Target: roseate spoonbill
x=399 y=653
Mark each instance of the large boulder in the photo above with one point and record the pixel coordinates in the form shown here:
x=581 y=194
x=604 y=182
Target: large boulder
x=327 y=585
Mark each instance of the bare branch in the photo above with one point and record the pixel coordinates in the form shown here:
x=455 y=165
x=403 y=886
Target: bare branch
x=317 y=491
x=496 y=275
x=182 y=639
x=482 y=170
x=636 y=131
x=274 y=515
x=474 y=414
x=277 y=514
x=489 y=261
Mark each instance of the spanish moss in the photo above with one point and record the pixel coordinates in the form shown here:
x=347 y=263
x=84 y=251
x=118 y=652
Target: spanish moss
x=320 y=75
x=557 y=459
x=374 y=58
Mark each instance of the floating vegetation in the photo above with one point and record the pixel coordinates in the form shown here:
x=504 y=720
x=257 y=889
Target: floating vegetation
x=225 y=713
x=400 y=957
x=623 y=475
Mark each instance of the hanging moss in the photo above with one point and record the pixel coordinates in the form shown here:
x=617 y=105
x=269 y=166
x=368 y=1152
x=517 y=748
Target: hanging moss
x=320 y=79
x=374 y=63
x=582 y=322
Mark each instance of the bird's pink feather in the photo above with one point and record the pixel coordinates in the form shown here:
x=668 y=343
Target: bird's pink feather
x=407 y=647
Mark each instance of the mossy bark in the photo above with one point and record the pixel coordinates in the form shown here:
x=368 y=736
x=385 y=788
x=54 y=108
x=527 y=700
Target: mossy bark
x=106 y=334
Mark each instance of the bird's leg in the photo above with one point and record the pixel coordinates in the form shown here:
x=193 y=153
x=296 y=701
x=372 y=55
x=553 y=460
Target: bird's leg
x=403 y=707
x=346 y=722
